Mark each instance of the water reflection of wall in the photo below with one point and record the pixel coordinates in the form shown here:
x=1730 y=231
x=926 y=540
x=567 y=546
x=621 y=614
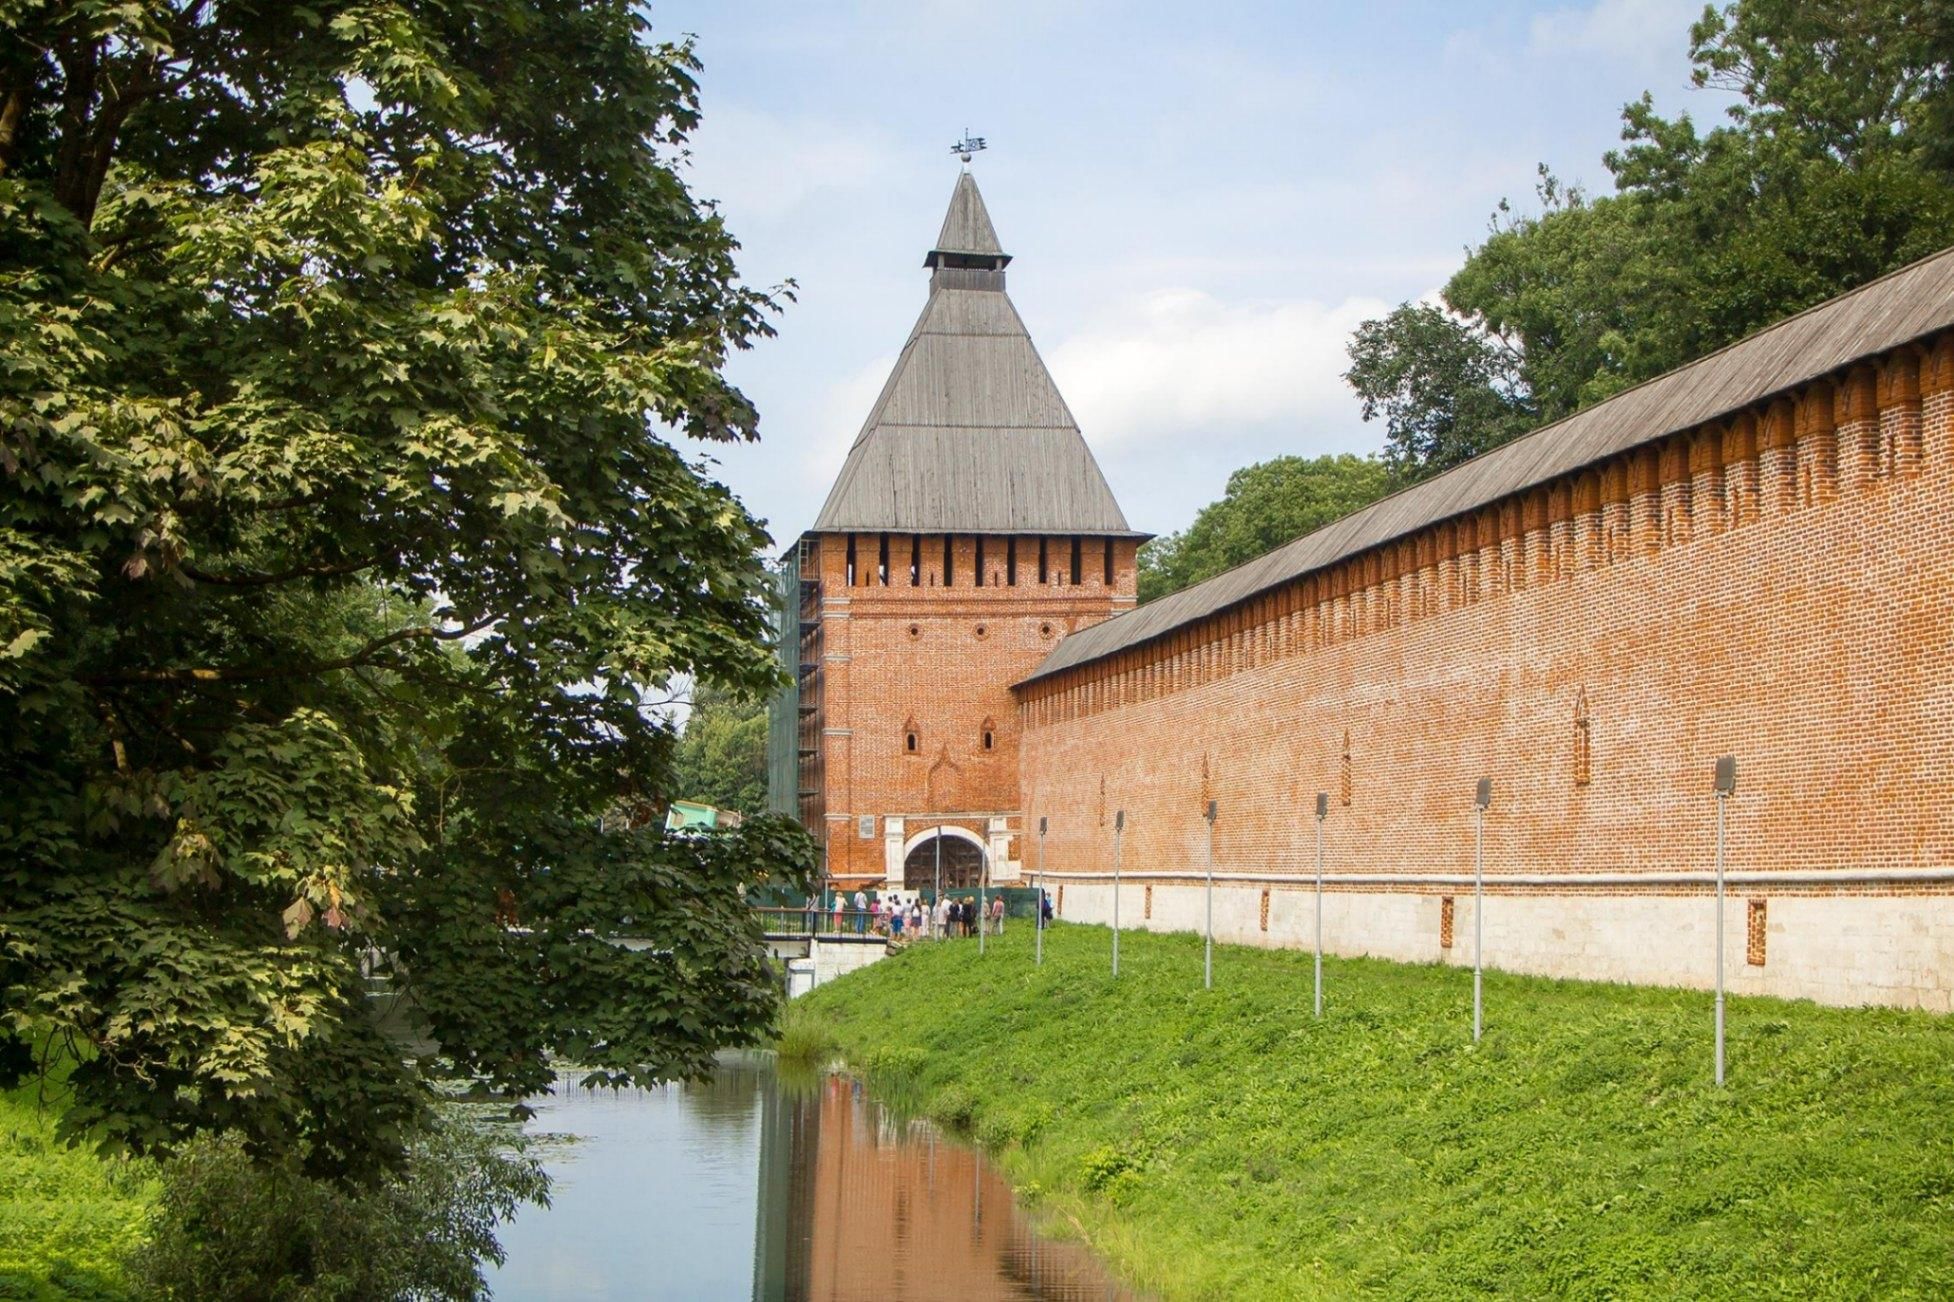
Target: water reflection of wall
x=724 y=1102
x=856 y=1205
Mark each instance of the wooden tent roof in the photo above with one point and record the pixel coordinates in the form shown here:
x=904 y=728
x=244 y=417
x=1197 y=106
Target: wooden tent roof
x=970 y=434
x=967 y=226
x=1906 y=305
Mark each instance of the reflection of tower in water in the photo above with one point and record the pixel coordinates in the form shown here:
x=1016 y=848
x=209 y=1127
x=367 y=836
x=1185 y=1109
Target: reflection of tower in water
x=857 y=1204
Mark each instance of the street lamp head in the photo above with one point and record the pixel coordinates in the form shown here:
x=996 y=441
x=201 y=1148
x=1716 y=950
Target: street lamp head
x=1211 y=811
x=1119 y=821
x=1322 y=805
x=1482 y=796
x=1041 y=827
x=1726 y=775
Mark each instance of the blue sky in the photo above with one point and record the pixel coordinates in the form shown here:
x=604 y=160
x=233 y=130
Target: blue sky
x=1203 y=200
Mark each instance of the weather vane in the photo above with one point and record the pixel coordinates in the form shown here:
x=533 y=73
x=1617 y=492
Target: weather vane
x=968 y=145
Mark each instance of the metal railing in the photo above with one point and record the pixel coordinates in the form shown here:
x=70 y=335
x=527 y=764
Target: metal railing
x=790 y=920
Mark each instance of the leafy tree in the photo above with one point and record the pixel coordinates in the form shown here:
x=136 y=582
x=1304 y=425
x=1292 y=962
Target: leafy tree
x=341 y=552
x=1446 y=391
x=1265 y=506
x=228 y=1229
x=722 y=753
x=1832 y=171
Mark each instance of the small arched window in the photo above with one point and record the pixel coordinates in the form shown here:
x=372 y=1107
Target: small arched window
x=990 y=735
x=912 y=738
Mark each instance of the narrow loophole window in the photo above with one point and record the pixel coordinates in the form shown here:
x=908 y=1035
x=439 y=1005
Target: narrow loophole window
x=1583 y=742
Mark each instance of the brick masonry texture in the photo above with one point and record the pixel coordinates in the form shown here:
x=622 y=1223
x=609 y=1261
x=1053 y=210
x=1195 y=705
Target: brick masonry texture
x=1778 y=586
x=936 y=660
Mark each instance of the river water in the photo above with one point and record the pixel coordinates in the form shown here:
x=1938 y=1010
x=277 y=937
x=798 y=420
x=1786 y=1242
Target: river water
x=744 y=1187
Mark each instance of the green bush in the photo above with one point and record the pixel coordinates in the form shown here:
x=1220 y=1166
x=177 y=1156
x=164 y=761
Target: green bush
x=894 y=1066
x=68 y=1218
x=1102 y=1166
x=233 y=1230
x=954 y=1108
x=807 y=1036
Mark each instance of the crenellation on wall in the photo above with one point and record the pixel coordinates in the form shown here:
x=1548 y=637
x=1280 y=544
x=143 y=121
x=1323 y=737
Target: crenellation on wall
x=1817 y=446
x=1857 y=425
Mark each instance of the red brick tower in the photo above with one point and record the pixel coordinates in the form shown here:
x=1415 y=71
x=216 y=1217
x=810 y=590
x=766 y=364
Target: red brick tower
x=969 y=531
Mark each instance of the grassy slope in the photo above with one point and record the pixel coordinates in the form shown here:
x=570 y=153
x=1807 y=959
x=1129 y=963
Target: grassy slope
x=67 y=1218
x=1224 y=1144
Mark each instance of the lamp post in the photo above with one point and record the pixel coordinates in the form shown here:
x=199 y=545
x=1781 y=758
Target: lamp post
x=1481 y=797
x=1038 y=908
x=1726 y=786
x=1322 y=812
x=1119 y=827
x=983 y=908
x=1207 y=959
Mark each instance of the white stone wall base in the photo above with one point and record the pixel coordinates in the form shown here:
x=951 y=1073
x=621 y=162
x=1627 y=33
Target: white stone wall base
x=833 y=958
x=1844 y=950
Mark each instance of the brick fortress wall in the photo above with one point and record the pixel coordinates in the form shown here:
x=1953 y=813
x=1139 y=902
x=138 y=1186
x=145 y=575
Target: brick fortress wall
x=934 y=658
x=1779 y=586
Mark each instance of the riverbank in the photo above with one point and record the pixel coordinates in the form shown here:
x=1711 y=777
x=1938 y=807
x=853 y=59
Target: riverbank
x=1225 y=1144
x=68 y=1219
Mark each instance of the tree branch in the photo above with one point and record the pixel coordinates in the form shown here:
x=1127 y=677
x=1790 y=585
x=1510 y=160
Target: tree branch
x=363 y=656
x=249 y=580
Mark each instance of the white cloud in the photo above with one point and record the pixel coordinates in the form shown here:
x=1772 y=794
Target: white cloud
x=1180 y=362
x=838 y=418
x=762 y=166
x=1640 y=32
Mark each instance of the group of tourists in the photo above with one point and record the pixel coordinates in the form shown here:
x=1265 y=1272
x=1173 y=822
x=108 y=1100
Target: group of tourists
x=912 y=919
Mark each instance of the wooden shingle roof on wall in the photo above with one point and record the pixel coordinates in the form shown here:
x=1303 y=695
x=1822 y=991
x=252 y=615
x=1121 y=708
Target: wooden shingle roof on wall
x=1897 y=309
x=970 y=434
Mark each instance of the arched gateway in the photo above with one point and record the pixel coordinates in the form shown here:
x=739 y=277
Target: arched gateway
x=963 y=860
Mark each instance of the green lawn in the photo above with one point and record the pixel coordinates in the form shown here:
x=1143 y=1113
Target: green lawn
x=67 y=1217
x=1225 y=1144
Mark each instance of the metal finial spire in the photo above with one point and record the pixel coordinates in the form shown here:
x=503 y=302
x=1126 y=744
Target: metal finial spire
x=968 y=145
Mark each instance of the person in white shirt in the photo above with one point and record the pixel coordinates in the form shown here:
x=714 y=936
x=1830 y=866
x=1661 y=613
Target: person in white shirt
x=861 y=911
x=941 y=915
